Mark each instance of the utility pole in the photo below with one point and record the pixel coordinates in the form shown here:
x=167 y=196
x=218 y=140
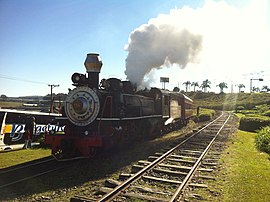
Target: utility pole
x=51 y=105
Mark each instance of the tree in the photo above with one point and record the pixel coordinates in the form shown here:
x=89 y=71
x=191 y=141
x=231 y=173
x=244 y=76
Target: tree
x=255 y=89
x=176 y=89
x=195 y=84
x=222 y=86
x=265 y=89
x=205 y=84
x=241 y=86
x=3 y=97
x=187 y=83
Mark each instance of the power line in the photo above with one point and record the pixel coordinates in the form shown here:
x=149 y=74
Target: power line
x=20 y=79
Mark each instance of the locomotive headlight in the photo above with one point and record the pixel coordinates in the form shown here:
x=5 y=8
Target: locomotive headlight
x=86 y=133
x=79 y=78
x=76 y=78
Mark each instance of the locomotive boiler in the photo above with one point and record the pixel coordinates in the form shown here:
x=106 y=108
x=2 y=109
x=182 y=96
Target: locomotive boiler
x=103 y=114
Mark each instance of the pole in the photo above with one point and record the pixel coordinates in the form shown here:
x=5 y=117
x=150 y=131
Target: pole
x=51 y=104
x=250 y=85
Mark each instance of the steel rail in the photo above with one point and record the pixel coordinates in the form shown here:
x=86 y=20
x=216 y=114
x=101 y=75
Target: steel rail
x=116 y=191
x=30 y=177
x=196 y=165
x=27 y=165
x=34 y=175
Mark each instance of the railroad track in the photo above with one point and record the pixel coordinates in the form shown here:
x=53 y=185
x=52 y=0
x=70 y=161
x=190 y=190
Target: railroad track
x=23 y=172
x=165 y=176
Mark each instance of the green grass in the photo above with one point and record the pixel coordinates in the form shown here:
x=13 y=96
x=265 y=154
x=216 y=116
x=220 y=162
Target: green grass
x=245 y=172
x=229 y=101
x=12 y=158
x=10 y=104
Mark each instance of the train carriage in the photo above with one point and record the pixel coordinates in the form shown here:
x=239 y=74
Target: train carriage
x=13 y=122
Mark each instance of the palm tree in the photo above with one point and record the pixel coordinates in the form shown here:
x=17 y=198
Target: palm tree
x=265 y=89
x=187 y=83
x=241 y=86
x=205 y=84
x=195 y=84
x=222 y=86
x=255 y=89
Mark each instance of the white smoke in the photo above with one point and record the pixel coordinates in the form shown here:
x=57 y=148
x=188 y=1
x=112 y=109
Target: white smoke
x=217 y=39
x=156 y=45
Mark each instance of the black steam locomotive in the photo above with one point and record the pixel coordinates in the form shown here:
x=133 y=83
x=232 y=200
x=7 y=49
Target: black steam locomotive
x=100 y=115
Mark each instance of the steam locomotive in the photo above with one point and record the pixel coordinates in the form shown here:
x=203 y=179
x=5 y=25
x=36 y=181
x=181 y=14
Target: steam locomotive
x=101 y=115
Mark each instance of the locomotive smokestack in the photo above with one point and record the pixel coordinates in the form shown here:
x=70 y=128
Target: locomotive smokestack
x=93 y=65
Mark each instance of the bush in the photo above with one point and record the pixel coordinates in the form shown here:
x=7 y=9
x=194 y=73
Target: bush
x=262 y=139
x=262 y=108
x=206 y=115
x=239 y=108
x=253 y=123
x=267 y=113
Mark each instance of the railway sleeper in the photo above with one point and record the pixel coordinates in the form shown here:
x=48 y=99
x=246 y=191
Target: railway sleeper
x=180 y=167
x=170 y=172
x=209 y=163
x=178 y=156
x=192 y=152
x=151 y=158
x=192 y=162
x=78 y=198
x=136 y=168
x=206 y=177
x=106 y=190
x=162 y=180
x=125 y=176
x=150 y=190
x=111 y=183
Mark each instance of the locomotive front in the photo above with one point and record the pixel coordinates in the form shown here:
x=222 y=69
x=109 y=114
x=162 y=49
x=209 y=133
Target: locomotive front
x=81 y=109
x=82 y=103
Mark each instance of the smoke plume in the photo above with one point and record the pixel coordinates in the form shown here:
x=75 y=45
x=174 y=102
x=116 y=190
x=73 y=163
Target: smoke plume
x=162 y=42
x=216 y=41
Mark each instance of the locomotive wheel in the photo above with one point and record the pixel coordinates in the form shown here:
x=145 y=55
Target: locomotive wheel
x=131 y=133
x=58 y=154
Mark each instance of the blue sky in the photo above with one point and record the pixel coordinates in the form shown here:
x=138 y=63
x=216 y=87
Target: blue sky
x=44 y=41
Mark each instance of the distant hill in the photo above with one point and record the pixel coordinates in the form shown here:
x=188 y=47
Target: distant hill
x=229 y=101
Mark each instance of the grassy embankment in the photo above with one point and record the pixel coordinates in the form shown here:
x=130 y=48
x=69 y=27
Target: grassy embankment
x=244 y=173
x=229 y=101
x=247 y=169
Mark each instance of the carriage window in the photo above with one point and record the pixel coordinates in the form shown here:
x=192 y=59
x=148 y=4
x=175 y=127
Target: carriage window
x=15 y=118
